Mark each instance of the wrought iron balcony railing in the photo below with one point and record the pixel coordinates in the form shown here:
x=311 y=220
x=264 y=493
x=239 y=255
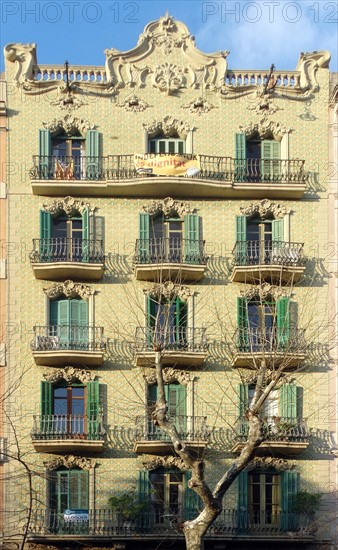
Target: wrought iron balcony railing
x=171 y=339
x=171 y=250
x=108 y=523
x=67 y=426
x=270 y=340
x=60 y=249
x=190 y=428
x=276 y=428
x=67 y=337
x=250 y=253
x=120 y=167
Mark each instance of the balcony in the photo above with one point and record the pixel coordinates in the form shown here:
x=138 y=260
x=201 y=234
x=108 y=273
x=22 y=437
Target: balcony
x=103 y=525
x=57 y=258
x=182 y=347
x=67 y=433
x=172 y=258
x=216 y=177
x=150 y=439
x=282 y=436
x=275 y=346
x=61 y=345
x=272 y=261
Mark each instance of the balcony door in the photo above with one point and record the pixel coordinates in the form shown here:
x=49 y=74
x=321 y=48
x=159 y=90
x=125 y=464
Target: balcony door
x=64 y=238
x=167 y=495
x=176 y=398
x=262 y=325
x=166 y=237
x=258 y=241
x=167 y=322
x=264 y=498
x=257 y=160
x=69 y=410
x=69 y=323
x=68 y=153
x=69 y=490
x=166 y=145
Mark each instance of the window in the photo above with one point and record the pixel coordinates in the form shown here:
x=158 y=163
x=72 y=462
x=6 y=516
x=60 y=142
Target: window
x=173 y=240
x=68 y=157
x=264 y=497
x=170 y=145
x=69 y=490
x=69 y=323
x=167 y=322
x=176 y=397
x=283 y=404
x=263 y=325
x=257 y=160
x=259 y=241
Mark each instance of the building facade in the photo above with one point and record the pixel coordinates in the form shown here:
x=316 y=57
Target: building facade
x=164 y=201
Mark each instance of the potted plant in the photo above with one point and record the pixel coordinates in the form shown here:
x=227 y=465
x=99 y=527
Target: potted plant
x=127 y=506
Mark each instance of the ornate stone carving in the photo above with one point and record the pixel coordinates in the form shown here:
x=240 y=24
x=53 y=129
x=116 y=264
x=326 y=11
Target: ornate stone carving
x=264 y=208
x=69 y=289
x=69 y=124
x=168 y=78
x=168 y=126
x=68 y=102
x=167 y=42
x=308 y=65
x=169 y=290
x=24 y=56
x=251 y=377
x=170 y=376
x=165 y=462
x=33 y=546
x=264 y=291
x=70 y=374
x=265 y=128
x=264 y=463
x=70 y=461
x=68 y=205
x=263 y=104
x=134 y=104
x=198 y=106
x=168 y=207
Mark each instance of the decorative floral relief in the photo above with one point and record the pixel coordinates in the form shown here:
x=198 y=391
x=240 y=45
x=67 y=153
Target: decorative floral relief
x=69 y=124
x=269 y=375
x=267 y=462
x=68 y=205
x=168 y=207
x=168 y=43
x=168 y=78
x=264 y=208
x=70 y=461
x=168 y=125
x=133 y=104
x=70 y=374
x=68 y=102
x=263 y=104
x=169 y=290
x=265 y=128
x=264 y=291
x=198 y=106
x=170 y=376
x=69 y=289
x=165 y=462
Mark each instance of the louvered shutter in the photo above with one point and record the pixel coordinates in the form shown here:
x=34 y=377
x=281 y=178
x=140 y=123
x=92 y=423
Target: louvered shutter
x=93 y=409
x=181 y=315
x=45 y=152
x=241 y=244
x=288 y=402
x=192 y=502
x=289 y=488
x=270 y=160
x=85 y=236
x=144 y=238
x=144 y=493
x=240 y=158
x=93 y=171
x=64 y=322
x=242 y=324
x=46 y=222
x=151 y=321
x=242 y=500
x=78 y=498
x=192 y=249
x=243 y=393
x=283 y=322
x=176 y=396
x=46 y=421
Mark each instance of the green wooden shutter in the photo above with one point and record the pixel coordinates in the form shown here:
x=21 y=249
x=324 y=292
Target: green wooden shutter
x=243 y=394
x=270 y=151
x=93 y=409
x=144 y=238
x=192 y=247
x=151 y=321
x=240 y=157
x=283 y=322
x=241 y=248
x=192 y=502
x=45 y=152
x=144 y=488
x=78 y=490
x=242 y=501
x=242 y=324
x=63 y=322
x=79 y=323
x=85 y=235
x=176 y=396
x=92 y=153
x=46 y=406
x=277 y=230
x=289 y=487
x=288 y=401
x=54 y=313
x=181 y=318
x=46 y=224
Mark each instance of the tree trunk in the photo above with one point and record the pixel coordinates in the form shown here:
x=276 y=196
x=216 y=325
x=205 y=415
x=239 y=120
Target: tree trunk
x=194 y=538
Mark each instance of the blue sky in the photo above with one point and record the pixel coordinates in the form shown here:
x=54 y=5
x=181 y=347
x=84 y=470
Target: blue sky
x=257 y=33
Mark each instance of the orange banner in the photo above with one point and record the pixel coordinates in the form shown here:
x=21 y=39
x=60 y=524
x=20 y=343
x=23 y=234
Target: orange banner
x=167 y=165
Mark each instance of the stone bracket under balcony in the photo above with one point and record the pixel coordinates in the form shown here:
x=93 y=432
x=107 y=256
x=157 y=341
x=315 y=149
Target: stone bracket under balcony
x=274 y=261
x=150 y=439
x=62 y=345
x=58 y=258
x=68 y=434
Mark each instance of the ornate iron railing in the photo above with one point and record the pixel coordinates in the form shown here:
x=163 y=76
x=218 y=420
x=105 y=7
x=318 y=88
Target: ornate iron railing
x=170 y=250
x=62 y=249
x=270 y=340
x=276 y=428
x=171 y=339
x=121 y=167
x=190 y=428
x=67 y=426
x=67 y=337
x=268 y=253
x=105 y=523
